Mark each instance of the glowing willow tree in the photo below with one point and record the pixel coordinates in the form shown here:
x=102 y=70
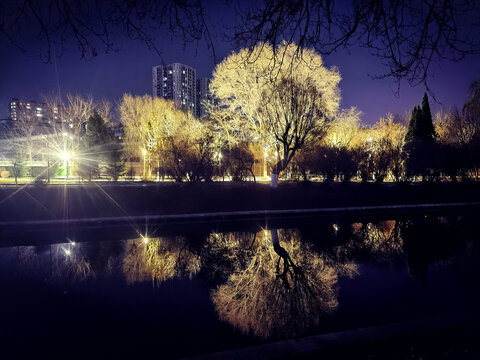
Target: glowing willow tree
x=281 y=290
x=147 y=124
x=158 y=260
x=284 y=99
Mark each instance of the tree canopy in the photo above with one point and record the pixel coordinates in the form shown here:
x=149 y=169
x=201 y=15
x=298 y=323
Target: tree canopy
x=283 y=99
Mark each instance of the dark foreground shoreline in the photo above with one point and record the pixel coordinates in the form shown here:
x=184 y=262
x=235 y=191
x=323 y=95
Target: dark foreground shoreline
x=57 y=203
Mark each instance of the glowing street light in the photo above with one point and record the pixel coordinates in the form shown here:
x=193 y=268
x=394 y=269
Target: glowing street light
x=144 y=155
x=65 y=156
x=265 y=154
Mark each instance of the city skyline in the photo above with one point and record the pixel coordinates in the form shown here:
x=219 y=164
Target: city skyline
x=101 y=79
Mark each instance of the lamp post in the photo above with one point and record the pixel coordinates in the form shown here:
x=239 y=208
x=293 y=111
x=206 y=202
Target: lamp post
x=265 y=154
x=144 y=155
x=65 y=157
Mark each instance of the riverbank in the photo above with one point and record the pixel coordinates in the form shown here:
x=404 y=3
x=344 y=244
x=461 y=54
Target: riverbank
x=131 y=200
x=451 y=336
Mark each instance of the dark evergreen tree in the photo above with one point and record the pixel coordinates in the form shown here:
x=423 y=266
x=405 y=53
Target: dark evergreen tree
x=420 y=126
x=96 y=131
x=96 y=143
x=412 y=125
x=420 y=145
x=116 y=161
x=425 y=129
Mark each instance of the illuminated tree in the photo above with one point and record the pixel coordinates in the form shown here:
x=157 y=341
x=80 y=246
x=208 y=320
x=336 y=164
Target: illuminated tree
x=148 y=122
x=344 y=130
x=387 y=141
x=188 y=152
x=284 y=102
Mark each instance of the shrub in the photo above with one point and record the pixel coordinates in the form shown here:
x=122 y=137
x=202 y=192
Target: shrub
x=238 y=162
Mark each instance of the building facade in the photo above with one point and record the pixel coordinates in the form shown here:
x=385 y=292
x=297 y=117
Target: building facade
x=32 y=112
x=176 y=82
x=203 y=95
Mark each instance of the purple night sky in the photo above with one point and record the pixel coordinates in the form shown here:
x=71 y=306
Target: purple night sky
x=111 y=75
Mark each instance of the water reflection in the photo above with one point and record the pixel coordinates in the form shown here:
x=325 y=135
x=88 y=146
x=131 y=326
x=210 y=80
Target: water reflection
x=269 y=283
x=158 y=259
x=70 y=261
x=282 y=289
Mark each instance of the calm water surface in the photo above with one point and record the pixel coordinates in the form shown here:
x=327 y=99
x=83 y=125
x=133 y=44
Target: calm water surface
x=181 y=295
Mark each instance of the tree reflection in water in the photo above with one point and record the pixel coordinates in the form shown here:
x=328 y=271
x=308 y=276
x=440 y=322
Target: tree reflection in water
x=56 y=262
x=282 y=290
x=270 y=284
x=158 y=259
x=382 y=240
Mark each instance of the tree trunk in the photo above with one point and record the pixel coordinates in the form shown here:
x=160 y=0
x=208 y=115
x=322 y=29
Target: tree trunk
x=275 y=174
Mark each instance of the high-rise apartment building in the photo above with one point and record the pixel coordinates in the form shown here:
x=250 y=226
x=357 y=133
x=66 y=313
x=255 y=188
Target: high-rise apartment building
x=203 y=95
x=32 y=111
x=177 y=82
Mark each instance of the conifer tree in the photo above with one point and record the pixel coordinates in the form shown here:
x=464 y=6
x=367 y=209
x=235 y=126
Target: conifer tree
x=420 y=142
x=425 y=129
x=116 y=161
x=413 y=125
x=96 y=143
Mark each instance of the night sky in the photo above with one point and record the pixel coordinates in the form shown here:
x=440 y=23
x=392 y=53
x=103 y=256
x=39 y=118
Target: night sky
x=111 y=75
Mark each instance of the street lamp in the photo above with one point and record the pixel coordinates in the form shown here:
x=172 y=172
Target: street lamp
x=65 y=156
x=265 y=154
x=144 y=155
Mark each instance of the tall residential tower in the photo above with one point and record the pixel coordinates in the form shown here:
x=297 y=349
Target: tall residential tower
x=203 y=95
x=177 y=82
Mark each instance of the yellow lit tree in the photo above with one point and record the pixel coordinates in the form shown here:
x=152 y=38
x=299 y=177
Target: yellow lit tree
x=283 y=99
x=147 y=124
